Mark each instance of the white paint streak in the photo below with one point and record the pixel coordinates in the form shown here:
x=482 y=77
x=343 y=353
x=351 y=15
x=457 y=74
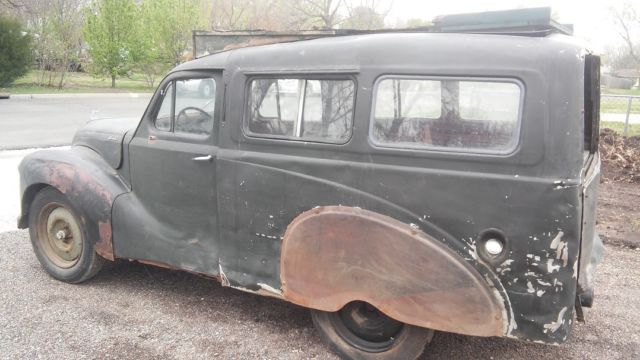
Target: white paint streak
x=555 y=325
x=556 y=241
x=507 y=262
x=565 y=255
x=223 y=278
x=530 y=288
x=543 y=283
x=270 y=289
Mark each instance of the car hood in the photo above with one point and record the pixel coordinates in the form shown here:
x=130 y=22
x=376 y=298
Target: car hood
x=106 y=136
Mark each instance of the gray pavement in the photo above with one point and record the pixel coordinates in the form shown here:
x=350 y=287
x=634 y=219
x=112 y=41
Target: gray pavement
x=134 y=311
x=51 y=120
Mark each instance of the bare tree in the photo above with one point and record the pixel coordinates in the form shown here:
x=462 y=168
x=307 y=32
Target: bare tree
x=229 y=14
x=324 y=14
x=627 y=20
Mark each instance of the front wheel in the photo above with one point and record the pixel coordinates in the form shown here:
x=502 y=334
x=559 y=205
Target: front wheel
x=60 y=239
x=360 y=331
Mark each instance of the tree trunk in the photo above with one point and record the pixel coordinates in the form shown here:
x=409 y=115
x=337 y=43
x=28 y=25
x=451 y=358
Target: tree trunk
x=113 y=81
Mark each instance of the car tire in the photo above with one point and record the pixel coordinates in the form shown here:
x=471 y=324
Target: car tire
x=400 y=341
x=60 y=239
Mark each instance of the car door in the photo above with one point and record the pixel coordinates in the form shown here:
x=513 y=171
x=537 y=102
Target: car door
x=172 y=165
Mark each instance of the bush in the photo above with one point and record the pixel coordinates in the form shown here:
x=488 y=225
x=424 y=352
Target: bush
x=15 y=51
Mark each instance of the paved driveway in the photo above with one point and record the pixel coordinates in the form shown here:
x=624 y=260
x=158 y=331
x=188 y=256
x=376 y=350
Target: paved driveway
x=51 y=120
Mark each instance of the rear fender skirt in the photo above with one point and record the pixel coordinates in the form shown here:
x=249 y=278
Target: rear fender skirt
x=85 y=178
x=334 y=255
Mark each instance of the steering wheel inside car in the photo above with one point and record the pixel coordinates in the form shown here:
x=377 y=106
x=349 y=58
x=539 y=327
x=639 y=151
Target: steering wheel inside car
x=199 y=123
x=183 y=112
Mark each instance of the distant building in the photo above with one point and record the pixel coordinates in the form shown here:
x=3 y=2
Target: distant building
x=632 y=74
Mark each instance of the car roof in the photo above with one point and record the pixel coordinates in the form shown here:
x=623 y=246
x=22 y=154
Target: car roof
x=340 y=53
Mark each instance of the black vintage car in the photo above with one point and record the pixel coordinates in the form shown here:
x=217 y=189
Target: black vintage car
x=393 y=183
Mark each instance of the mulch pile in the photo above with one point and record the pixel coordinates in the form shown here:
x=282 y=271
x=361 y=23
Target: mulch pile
x=620 y=157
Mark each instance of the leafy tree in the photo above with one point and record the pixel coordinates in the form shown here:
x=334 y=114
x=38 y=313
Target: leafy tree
x=15 y=50
x=109 y=30
x=56 y=26
x=168 y=23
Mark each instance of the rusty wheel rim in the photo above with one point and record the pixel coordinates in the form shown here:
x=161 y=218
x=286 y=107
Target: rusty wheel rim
x=59 y=235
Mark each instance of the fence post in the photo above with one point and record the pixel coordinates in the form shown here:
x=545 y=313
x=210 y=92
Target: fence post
x=626 y=120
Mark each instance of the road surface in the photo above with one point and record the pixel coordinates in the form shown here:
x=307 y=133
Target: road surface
x=51 y=120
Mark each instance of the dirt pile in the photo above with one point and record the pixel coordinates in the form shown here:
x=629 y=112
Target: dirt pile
x=620 y=157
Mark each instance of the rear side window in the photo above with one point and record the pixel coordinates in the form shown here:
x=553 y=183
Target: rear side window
x=304 y=109
x=449 y=114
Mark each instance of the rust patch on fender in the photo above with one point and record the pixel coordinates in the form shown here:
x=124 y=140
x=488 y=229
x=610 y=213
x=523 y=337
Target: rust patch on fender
x=334 y=255
x=104 y=245
x=85 y=192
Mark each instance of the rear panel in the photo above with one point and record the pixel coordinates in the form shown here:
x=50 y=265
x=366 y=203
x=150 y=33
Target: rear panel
x=591 y=246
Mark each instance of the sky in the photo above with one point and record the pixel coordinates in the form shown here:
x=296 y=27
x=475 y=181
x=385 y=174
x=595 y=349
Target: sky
x=591 y=18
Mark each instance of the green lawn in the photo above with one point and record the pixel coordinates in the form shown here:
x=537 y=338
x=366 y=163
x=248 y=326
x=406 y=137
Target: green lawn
x=635 y=92
x=76 y=82
x=634 y=129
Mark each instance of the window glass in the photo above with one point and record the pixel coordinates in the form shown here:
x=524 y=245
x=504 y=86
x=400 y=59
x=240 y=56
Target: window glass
x=302 y=108
x=163 y=119
x=418 y=98
x=463 y=115
x=328 y=110
x=489 y=101
x=195 y=105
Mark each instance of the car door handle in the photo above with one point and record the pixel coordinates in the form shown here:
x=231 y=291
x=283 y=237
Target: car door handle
x=203 y=158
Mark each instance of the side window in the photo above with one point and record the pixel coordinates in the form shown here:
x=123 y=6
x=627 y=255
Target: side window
x=452 y=114
x=195 y=105
x=308 y=109
x=163 y=119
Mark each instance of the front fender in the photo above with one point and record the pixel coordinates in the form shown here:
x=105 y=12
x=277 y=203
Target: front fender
x=87 y=180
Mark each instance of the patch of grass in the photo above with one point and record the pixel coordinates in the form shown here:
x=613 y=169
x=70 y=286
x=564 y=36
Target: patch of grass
x=620 y=91
x=617 y=105
x=617 y=126
x=76 y=82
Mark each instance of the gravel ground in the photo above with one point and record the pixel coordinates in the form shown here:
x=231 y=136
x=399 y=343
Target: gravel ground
x=137 y=311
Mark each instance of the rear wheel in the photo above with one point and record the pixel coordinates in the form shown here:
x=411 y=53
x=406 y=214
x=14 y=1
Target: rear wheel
x=60 y=239
x=360 y=331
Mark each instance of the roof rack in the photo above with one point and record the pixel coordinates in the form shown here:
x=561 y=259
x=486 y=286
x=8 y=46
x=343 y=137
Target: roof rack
x=519 y=22
x=516 y=22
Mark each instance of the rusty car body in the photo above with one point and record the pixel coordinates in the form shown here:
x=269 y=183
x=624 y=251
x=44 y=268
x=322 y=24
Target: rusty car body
x=447 y=179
